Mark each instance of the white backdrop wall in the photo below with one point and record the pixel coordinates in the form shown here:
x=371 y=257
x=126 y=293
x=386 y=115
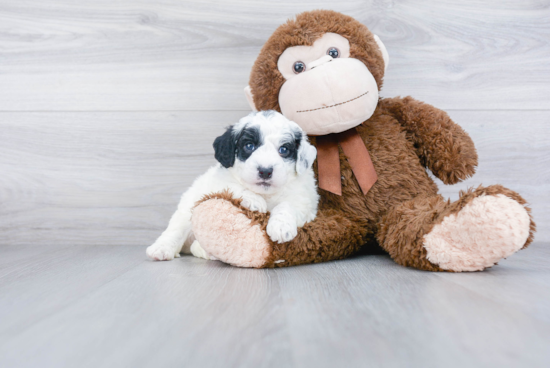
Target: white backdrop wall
x=108 y=109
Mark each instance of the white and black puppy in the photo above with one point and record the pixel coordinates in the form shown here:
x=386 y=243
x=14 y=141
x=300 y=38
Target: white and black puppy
x=266 y=160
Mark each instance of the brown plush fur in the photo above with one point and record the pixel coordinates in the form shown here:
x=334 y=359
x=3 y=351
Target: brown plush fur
x=265 y=78
x=403 y=137
x=314 y=237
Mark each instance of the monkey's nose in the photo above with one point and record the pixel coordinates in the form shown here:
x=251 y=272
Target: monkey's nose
x=265 y=172
x=320 y=61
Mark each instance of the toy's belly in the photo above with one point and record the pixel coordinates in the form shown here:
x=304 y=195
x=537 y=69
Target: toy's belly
x=401 y=175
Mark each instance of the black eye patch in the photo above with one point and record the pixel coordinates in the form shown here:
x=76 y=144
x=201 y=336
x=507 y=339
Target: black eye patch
x=292 y=144
x=249 y=140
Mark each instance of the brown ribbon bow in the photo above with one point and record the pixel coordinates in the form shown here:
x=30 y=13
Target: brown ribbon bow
x=328 y=161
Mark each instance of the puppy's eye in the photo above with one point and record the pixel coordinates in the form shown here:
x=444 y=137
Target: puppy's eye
x=299 y=67
x=284 y=151
x=249 y=147
x=333 y=52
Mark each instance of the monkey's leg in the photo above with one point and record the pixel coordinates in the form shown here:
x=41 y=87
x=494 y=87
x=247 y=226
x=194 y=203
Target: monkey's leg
x=236 y=235
x=482 y=227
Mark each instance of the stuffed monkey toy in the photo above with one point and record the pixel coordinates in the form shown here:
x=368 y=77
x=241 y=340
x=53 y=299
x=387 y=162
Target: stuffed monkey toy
x=324 y=70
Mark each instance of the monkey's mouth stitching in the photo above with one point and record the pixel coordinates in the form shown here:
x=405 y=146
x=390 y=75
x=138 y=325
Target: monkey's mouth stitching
x=341 y=103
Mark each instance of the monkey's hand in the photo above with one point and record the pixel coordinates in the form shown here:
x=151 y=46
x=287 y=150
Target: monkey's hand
x=442 y=145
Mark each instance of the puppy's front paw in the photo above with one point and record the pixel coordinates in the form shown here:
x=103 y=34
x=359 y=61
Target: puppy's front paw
x=281 y=229
x=161 y=250
x=254 y=202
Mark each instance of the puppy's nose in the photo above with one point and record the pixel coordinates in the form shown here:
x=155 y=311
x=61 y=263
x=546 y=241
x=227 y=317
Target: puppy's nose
x=265 y=172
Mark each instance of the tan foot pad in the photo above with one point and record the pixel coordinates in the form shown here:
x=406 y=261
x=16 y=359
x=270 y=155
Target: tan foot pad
x=227 y=234
x=486 y=230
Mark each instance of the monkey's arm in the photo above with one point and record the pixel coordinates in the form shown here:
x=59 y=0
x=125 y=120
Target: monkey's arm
x=442 y=145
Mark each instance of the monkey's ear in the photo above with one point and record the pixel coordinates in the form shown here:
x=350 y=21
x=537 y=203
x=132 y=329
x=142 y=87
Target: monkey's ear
x=384 y=52
x=249 y=98
x=224 y=148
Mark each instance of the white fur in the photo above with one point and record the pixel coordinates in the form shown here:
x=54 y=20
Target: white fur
x=291 y=197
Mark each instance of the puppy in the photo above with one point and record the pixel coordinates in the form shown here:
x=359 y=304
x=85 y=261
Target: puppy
x=266 y=160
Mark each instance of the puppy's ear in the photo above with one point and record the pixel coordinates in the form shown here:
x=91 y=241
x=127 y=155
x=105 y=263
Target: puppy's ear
x=306 y=155
x=224 y=148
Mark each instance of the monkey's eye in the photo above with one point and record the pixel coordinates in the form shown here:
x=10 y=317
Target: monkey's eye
x=299 y=67
x=283 y=151
x=333 y=52
x=249 y=147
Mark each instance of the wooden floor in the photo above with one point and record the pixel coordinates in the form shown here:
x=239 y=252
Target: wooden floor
x=107 y=306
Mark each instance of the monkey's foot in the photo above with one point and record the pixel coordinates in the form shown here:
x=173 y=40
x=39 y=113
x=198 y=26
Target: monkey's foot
x=226 y=232
x=487 y=229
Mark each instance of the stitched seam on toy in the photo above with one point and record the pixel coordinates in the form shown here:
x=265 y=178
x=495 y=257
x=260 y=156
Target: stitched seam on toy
x=341 y=103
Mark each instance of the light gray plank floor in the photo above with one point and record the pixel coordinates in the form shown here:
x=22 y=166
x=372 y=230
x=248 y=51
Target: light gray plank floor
x=107 y=306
